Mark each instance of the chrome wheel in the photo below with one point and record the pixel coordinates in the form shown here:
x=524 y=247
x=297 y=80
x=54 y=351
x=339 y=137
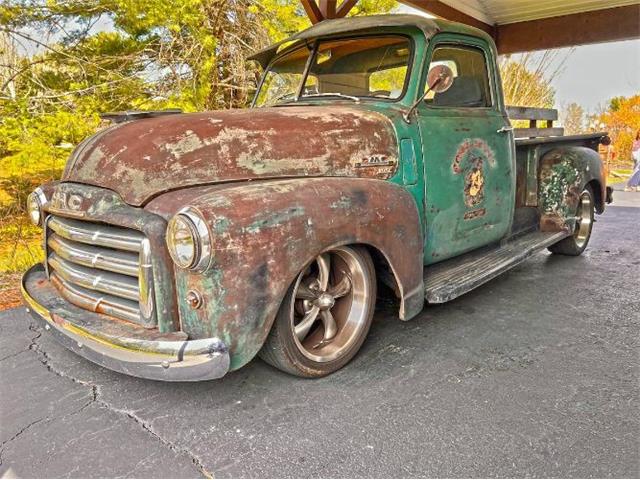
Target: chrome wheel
x=575 y=244
x=331 y=306
x=584 y=220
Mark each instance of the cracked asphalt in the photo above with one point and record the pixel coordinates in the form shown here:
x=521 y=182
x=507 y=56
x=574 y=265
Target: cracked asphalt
x=534 y=374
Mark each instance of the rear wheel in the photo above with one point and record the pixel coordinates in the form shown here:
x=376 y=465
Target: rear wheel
x=576 y=244
x=325 y=315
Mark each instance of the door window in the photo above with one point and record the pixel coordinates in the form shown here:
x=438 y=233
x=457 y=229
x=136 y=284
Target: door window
x=471 y=87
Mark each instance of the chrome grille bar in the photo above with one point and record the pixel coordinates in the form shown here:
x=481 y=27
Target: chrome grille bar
x=97 y=234
x=102 y=268
x=116 y=261
x=106 y=282
x=90 y=300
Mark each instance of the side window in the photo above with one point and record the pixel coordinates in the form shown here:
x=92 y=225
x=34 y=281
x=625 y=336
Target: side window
x=470 y=86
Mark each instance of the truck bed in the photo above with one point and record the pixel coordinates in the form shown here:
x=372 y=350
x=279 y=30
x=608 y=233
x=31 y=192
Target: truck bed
x=540 y=129
x=535 y=136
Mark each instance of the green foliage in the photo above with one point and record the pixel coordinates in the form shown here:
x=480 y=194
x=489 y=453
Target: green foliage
x=34 y=149
x=525 y=87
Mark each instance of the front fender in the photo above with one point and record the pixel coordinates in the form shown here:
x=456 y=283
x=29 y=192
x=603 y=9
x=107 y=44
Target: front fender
x=564 y=173
x=265 y=233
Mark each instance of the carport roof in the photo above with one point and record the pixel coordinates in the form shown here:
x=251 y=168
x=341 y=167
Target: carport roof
x=501 y=12
x=521 y=25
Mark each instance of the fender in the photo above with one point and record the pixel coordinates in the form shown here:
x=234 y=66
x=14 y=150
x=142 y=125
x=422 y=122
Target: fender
x=264 y=233
x=564 y=173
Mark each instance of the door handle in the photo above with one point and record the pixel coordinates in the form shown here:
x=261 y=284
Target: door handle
x=505 y=129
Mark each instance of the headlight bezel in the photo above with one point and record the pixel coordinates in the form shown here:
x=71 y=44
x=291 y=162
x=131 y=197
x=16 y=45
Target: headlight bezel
x=201 y=238
x=39 y=199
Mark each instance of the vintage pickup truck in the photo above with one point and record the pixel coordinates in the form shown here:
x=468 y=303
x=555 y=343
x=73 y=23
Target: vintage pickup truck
x=378 y=150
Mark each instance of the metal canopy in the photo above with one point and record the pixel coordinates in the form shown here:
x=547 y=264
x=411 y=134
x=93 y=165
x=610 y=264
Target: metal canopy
x=521 y=25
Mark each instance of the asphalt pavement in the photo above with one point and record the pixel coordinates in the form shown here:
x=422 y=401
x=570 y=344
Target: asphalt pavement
x=535 y=374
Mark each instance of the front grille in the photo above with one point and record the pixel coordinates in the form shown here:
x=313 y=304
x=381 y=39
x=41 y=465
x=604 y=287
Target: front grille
x=102 y=268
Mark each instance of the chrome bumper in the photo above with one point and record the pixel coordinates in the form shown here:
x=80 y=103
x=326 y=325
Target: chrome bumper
x=167 y=360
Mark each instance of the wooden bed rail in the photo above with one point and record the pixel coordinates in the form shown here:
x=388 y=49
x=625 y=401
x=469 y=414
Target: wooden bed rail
x=534 y=115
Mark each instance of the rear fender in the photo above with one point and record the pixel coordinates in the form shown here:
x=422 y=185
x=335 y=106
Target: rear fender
x=265 y=233
x=564 y=173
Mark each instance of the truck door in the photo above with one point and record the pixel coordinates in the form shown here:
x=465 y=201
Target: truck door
x=468 y=151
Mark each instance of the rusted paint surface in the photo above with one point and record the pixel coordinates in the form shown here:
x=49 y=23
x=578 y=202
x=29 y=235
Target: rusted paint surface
x=141 y=159
x=265 y=232
x=278 y=186
x=100 y=205
x=564 y=172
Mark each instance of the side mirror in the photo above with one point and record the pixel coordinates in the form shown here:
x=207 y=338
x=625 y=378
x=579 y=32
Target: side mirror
x=440 y=79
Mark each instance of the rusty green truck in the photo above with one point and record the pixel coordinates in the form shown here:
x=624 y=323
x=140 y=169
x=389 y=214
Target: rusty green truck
x=377 y=150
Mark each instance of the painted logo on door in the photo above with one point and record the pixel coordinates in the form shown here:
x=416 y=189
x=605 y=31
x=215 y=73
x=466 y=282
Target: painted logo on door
x=472 y=157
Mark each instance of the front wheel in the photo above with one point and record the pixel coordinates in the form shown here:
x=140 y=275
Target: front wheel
x=576 y=244
x=325 y=315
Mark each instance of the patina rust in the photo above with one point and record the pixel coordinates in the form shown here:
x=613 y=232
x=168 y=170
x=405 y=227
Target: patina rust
x=142 y=159
x=276 y=187
x=266 y=232
x=564 y=173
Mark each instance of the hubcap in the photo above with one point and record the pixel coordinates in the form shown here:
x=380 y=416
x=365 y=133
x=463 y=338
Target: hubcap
x=330 y=307
x=583 y=220
x=325 y=301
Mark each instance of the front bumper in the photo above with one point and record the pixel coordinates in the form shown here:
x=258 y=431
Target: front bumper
x=118 y=345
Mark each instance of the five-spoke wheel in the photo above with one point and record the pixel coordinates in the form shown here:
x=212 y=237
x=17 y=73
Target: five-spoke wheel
x=326 y=314
x=576 y=243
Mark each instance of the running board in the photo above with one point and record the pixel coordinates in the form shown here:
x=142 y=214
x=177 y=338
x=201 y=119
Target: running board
x=452 y=278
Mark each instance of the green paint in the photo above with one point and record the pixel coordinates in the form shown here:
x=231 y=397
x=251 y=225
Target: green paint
x=275 y=219
x=409 y=162
x=221 y=225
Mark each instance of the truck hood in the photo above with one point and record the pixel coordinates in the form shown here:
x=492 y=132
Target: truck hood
x=143 y=158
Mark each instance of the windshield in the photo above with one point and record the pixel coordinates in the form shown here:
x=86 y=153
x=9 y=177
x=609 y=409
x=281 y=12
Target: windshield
x=369 y=67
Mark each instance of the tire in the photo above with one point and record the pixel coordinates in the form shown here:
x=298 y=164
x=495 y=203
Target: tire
x=325 y=315
x=577 y=243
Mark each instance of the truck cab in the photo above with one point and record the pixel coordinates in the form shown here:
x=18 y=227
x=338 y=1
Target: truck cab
x=378 y=150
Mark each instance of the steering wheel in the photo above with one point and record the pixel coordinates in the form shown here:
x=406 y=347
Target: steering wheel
x=380 y=93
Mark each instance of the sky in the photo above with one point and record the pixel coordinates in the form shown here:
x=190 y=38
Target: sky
x=593 y=74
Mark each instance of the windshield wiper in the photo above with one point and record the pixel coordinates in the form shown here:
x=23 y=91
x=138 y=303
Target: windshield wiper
x=341 y=95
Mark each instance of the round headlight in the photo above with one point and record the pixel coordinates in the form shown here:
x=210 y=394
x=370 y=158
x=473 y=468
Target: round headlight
x=182 y=241
x=34 y=208
x=188 y=240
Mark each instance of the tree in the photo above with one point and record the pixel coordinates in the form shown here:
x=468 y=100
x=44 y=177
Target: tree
x=526 y=79
x=622 y=121
x=572 y=119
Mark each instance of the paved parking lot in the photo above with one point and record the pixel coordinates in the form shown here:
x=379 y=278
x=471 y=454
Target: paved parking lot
x=533 y=374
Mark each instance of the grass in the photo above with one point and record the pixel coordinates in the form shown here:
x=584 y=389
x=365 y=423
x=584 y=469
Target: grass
x=20 y=247
x=618 y=175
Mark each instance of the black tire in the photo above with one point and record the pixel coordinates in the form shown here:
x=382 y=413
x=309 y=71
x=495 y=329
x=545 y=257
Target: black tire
x=285 y=350
x=577 y=243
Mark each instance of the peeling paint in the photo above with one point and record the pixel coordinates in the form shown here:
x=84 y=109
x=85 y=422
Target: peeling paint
x=144 y=158
x=266 y=231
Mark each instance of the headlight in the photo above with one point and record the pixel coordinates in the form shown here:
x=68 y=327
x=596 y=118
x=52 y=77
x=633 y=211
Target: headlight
x=188 y=240
x=35 y=200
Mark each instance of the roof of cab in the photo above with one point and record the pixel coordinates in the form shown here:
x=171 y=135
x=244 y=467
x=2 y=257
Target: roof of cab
x=430 y=26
